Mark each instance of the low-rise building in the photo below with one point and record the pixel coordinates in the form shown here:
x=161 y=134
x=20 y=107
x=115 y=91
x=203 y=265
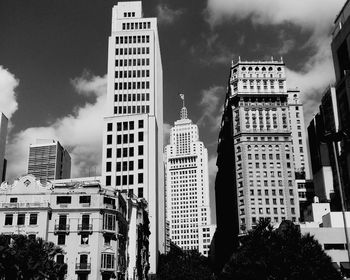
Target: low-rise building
x=94 y=225
x=328 y=229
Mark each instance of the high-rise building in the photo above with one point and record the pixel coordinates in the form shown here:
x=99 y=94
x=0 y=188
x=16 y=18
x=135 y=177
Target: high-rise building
x=48 y=160
x=341 y=59
x=296 y=120
x=225 y=239
x=3 y=135
x=133 y=132
x=262 y=131
x=187 y=187
x=321 y=151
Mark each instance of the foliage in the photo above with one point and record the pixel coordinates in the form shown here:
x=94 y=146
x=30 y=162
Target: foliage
x=183 y=265
x=281 y=254
x=29 y=258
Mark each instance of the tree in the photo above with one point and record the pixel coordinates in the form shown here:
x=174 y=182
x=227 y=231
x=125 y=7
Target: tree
x=27 y=258
x=183 y=265
x=281 y=254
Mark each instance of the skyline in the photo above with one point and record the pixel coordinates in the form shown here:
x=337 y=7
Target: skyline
x=51 y=91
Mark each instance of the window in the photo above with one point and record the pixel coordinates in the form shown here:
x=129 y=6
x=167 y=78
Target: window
x=13 y=199
x=140 y=123
x=84 y=239
x=63 y=199
x=107 y=240
x=109 y=222
x=108 y=166
x=85 y=199
x=140 y=192
x=109 y=153
x=140 y=164
x=33 y=219
x=109 y=126
x=140 y=136
x=61 y=239
x=140 y=178
x=107 y=261
x=140 y=150
x=108 y=180
x=60 y=259
x=109 y=139
x=8 y=219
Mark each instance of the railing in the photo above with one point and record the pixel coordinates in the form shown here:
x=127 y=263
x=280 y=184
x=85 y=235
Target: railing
x=83 y=267
x=84 y=227
x=62 y=228
x=25 y=205
x=108 y=268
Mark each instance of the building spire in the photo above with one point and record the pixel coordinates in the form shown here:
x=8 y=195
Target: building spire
x=183 y=112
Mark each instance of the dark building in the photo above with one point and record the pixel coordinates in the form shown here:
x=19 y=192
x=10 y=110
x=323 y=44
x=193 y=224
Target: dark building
x=225 y=239
x=341 y=60
x=324 y=123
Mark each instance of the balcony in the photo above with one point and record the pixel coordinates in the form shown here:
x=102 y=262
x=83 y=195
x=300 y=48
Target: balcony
x=108 y=269
x=62 y=228
x=25 y=205
x=82 y=267
x=84 y=228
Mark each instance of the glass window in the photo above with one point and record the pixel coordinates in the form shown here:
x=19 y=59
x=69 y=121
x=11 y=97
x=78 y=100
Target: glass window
x=63 y=199
x=33 y=219
x=8 y=219
x=61 y=239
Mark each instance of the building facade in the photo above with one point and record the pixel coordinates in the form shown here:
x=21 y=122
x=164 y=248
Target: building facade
x=3 y=136
x=133 y=133
x=48 y=160
x=341 y=60
x=264 y=147
x=94 y=225
x=187 y=187
x=326 y=121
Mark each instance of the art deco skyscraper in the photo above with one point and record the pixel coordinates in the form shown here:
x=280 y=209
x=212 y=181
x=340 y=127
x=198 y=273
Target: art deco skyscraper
x=187 y=187
x=133 y=133
x=265 y=169
x=48 y=160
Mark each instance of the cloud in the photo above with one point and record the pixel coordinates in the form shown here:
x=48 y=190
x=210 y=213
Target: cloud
x=167 y=15
x=166 y=133
x=8 y=84
x=214 y=51
x=312 y=16
x=80 y=132
x=309 y=14
x=212 y=107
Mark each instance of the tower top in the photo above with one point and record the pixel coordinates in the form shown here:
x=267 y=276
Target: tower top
x=183 y=112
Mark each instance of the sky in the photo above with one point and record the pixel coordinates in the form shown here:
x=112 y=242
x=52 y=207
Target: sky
x=53 y=63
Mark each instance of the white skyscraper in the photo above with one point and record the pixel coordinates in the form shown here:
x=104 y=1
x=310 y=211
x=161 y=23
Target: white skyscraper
x=187 y=187
x=133 y=133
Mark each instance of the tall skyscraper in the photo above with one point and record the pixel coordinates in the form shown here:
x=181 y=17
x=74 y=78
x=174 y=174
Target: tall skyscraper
x=133 y=133
x=297 y=127
x=262 y=130
x=48 y=160
x=187 y=187
x=3 y=135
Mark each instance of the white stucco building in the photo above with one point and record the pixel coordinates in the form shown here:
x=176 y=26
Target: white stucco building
x=187 y=187
x=98 y=228
x=133 y=132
